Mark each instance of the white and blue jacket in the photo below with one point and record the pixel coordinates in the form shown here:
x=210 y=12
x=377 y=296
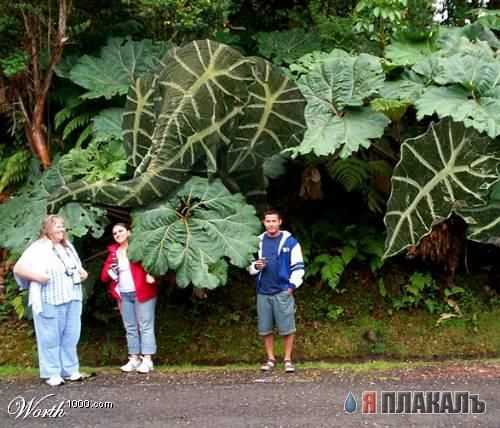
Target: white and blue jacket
x=290 y=261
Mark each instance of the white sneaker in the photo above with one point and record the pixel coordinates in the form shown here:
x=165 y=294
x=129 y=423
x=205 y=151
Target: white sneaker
x=131 y=365
x=145 y=367
x=74 y=377
x=55 y=381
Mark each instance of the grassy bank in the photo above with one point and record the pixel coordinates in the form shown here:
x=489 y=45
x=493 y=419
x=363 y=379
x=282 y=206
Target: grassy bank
x=376 y=368
x=221 y=330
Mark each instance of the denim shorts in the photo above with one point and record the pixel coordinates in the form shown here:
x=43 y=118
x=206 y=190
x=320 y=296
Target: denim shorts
x=276 y=309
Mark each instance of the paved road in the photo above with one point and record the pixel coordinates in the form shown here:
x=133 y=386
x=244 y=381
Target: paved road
x=309 y=398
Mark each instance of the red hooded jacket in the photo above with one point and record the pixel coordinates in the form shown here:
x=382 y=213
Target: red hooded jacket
x=144 y=291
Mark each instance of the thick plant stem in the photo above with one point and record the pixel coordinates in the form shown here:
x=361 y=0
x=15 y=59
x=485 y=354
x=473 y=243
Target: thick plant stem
x=4 y=267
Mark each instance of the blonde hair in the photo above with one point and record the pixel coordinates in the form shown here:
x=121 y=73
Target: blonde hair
x=47 y=224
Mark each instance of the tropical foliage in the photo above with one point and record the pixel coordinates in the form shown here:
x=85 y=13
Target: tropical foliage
x=240 y=110
x=229 y=114
x=193 y=232
x=448 y=167
x=337 y=119
x=373 y=100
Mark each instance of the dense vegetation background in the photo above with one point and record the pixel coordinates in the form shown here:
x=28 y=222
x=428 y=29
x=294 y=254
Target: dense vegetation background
x=372 y=125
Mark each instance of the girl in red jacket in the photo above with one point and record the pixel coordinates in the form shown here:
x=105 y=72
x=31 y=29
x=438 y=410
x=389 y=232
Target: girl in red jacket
x=136 y=293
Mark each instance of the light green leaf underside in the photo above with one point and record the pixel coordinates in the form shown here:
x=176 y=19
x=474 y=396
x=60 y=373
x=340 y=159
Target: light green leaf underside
x=20 y=221
x=120 y=63
x=408 y=52
x=446 y=165
x=454 y=102
x=337 y=120
x=191 y=232
x=468 y=90
x=108 y=125
x=328 y=134
x=79 y=219
x=340 y=82
x=287 y=46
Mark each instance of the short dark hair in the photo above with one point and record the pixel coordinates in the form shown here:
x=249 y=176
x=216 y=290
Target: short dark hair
x=271 y=212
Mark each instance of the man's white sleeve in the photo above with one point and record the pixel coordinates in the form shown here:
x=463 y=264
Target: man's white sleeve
x=296 y=266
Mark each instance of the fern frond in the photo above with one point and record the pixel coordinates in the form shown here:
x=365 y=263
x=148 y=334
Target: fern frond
x=76 y=123
x=350 y=173
x=85 y=135
x=62 y=115
x=376 y=199
x=16 y=169
x=19 y=304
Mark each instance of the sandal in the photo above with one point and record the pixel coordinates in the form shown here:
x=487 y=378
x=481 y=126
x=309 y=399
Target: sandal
x=289 y=368
x=268 y=365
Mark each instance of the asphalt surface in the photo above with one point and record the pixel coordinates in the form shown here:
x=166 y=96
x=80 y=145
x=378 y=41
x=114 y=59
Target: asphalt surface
x=308 y=398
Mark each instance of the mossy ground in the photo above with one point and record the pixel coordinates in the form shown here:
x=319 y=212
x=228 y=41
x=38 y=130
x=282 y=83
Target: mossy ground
x=222 y=329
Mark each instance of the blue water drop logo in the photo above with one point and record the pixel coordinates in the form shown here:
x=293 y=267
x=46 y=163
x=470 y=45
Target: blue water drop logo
x=350 y=404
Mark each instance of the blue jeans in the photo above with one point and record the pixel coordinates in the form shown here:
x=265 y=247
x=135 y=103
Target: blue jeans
x=57 y=330
x=139 y=322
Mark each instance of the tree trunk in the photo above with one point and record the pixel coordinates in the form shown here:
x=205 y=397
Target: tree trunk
x=33 y=104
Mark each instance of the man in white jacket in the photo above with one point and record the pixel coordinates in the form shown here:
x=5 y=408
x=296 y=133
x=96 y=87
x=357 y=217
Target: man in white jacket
x=279 y=268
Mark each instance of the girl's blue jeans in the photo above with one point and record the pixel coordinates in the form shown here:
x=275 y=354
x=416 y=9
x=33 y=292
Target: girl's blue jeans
x=139 y=322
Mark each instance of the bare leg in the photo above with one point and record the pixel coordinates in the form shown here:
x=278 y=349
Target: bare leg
x=269 y=345
x=288 y=345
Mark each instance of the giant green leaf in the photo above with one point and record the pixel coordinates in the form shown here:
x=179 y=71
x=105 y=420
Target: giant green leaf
x=453 y=101
x=429 y=68
x=341 y=82
x=306 y=63
x=475 y=74
x=140 y=117
x=463 y=86
x=407 y=52
x=20 y=221
x=108 y=125
x=404 y=88
x=337 y=120
x=21 y=216
x=191 y=232
x=271 y=120
x=79 y=219
x=287 y=46
x=120 y=63
x=205 y=100
x=346 y=134
x=490 y=19
x=446 y=166
x=450 y=37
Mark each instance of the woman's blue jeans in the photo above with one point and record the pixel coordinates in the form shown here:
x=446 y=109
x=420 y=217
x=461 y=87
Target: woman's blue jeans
x=139 y=322
x=57 y=330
